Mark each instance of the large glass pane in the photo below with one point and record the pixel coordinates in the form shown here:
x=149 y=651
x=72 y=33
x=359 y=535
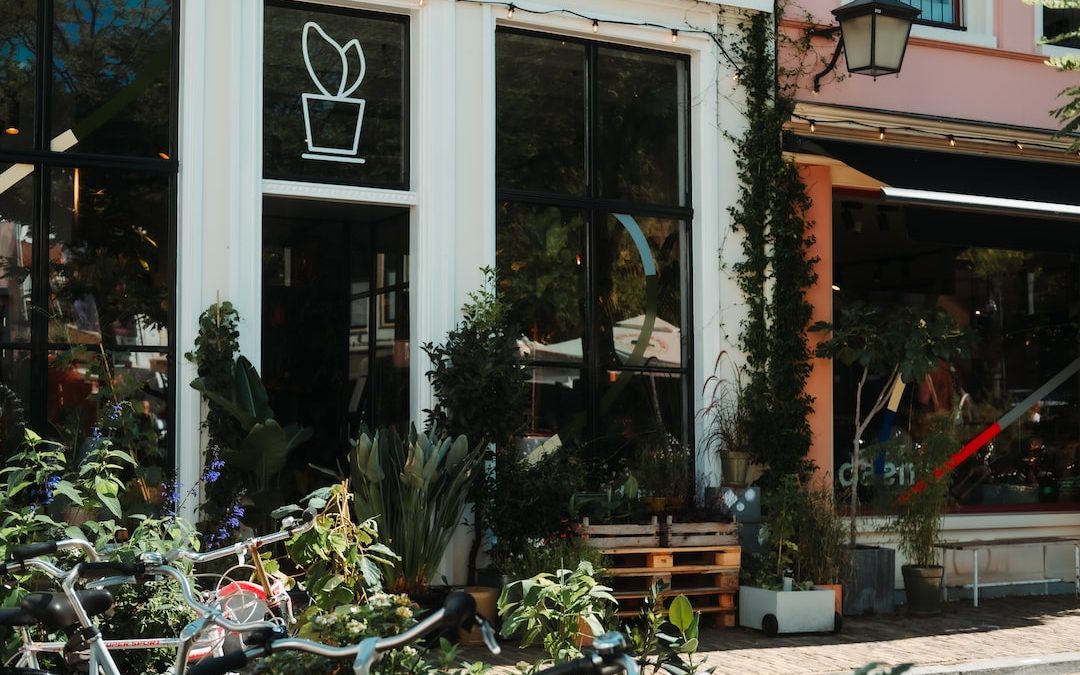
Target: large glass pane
x=111 y=76
x=18 y=73
x=334 y=96
x=119 y=395
x=641 y=129
x=542 y=263
x=1018 y=304
x=558 y=405
x=16 y=247
x=935 y=11
x=639 y=415
x=15 y=374
x=108 y=257
x=540 y=113
x=640 y=281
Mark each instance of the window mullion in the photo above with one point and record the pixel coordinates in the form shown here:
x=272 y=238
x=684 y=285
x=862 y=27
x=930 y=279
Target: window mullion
x=592 y=230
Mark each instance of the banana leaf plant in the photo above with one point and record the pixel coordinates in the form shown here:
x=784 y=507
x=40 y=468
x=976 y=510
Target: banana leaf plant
x=262 y=452
x=416 y=488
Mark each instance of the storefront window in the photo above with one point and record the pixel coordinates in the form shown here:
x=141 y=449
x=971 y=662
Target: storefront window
x=593 y=239
x=86 y=244
x=1012 y=286
x=335 y=106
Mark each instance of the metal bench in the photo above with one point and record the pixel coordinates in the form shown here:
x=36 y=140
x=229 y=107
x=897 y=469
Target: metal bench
x=986 y=544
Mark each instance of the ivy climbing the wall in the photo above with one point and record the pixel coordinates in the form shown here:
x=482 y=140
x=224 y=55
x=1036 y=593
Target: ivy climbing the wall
x=777 y=268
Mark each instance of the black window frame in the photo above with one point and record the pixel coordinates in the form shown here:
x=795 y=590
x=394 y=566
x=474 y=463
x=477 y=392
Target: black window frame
x=44 y=160
x=597 y=210
x=956 y=24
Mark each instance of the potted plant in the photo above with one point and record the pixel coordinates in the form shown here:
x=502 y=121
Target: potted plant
x=416 y=489
x=558 y=609
x=663 y=469
x=728 y=430
x=920 y=510
x=776 y=596
x=894 y=346
x=822 y=555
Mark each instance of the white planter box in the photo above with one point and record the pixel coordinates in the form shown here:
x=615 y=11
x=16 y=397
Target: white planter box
x=787 y=611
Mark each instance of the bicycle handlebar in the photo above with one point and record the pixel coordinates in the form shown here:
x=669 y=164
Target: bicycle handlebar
x=608 y=656
x=458 y=609
x=289 y=528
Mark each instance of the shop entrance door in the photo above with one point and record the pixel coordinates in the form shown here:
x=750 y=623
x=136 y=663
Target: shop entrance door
x=335 y=320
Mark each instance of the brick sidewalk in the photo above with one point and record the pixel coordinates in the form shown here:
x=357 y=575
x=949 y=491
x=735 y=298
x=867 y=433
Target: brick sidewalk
x=997 y=629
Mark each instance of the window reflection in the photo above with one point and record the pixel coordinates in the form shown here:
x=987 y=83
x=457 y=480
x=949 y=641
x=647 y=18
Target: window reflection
x=108 y=257
x=1017 y=296
x=16 y=247
x=110 y=79
x=18 y=53
x=121 y=395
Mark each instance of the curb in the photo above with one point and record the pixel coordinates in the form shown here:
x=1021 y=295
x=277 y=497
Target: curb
x=1045 y=664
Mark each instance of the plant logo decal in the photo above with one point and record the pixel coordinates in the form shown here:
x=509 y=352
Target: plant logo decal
x=332 y=118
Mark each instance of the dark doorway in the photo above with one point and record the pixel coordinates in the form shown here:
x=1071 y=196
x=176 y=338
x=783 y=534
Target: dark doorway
x=335 y=319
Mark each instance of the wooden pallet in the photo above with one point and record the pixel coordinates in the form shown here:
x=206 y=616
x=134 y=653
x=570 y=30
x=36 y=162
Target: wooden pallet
x=707 y=575
x=674 y=534
x=616 y=536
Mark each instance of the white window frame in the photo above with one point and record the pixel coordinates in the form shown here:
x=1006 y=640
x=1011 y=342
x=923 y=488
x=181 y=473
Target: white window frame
x=1044 y=49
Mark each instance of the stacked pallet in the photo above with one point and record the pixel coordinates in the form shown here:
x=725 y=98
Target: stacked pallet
x=698 y=560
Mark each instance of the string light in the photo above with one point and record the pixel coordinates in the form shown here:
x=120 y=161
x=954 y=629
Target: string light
x=950 y=139
x=595 y=26
x=674 y=35
x=510 y=12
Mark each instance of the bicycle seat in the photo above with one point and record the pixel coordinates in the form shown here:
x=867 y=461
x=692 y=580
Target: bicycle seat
x=16 y=616
x=55 y=610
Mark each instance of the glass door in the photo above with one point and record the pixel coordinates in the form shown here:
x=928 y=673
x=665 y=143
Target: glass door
x=335 y=319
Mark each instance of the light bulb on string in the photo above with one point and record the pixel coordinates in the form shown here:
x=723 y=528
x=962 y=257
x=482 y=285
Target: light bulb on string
x=1019 y=145
x=595 y=26
x=881 y=133
x=674 y=35
x=952 y=141
x=510 y=12
x=813 y=126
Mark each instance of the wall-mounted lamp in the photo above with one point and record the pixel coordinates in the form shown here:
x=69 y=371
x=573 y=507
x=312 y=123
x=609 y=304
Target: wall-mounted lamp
x=10 y=117
x=873 y=36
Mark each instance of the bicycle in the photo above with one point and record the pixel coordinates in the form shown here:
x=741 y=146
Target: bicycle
x=608 y=655
x=76 y=607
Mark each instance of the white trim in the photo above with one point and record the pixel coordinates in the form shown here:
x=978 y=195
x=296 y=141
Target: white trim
x=189 y=242
x=338 y=193
x=961 y=37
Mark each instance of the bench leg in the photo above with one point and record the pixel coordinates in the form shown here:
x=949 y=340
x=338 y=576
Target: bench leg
x=975 y=575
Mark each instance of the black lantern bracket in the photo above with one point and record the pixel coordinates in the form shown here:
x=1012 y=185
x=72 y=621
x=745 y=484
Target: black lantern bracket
x=879 y=30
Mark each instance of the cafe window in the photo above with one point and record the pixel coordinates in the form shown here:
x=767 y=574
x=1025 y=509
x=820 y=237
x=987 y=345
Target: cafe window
x=593 y=238
x=88 y=101
x=335 y=102
x=1012 y=283
x=1061 y=22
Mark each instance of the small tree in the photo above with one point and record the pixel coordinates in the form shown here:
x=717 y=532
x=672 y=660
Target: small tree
x=898 y=342
x=480 y=386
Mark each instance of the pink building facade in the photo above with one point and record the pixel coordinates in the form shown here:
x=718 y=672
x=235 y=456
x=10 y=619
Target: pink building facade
x=946 y=185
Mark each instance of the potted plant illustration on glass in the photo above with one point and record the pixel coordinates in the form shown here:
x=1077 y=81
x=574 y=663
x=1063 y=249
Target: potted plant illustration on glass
x=332 y=118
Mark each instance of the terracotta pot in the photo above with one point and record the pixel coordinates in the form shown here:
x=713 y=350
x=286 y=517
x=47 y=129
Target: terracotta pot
x=486 y=598
x=838 y=590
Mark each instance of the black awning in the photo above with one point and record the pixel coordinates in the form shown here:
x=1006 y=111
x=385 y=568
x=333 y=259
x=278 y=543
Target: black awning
x=951 y=171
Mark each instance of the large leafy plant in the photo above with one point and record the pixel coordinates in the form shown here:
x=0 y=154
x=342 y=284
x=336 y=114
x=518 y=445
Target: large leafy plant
x=240 y=421
x=416 y=489
x=553 y=607
x=340 y=557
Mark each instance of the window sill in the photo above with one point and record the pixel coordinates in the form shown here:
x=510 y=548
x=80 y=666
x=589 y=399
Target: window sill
x=954 y=35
